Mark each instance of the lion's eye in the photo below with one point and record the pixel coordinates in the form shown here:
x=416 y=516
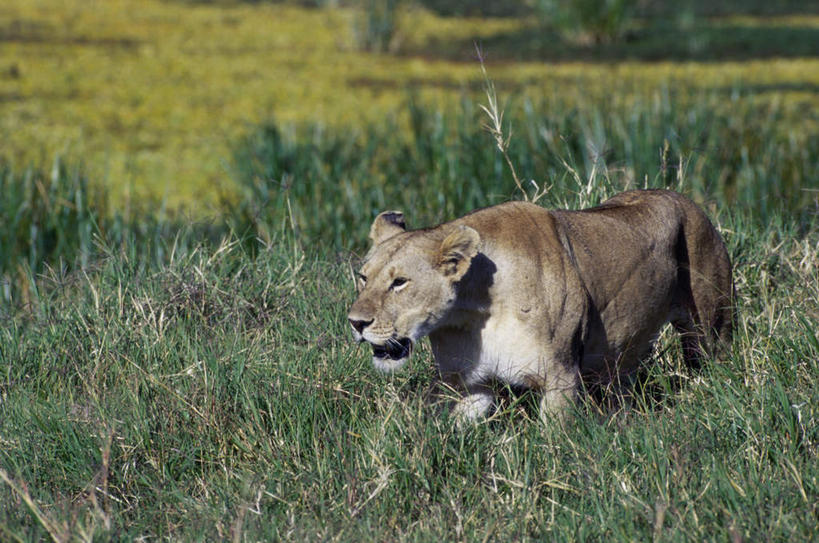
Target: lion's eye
x=398 y=283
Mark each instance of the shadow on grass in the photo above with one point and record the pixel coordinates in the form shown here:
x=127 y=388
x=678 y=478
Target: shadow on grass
x=703 y=41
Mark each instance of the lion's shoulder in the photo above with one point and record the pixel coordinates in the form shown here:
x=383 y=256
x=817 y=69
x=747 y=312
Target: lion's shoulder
x=513 y=224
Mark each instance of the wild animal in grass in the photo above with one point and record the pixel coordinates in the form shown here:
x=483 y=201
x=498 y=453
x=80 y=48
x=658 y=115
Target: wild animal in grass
x=545 y=300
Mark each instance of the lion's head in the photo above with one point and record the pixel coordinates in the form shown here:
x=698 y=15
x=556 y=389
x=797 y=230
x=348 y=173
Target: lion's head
x=406 y=285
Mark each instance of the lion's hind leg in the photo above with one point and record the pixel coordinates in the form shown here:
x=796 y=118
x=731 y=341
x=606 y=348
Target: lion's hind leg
x=693 y=343
x=705 y=336
x=708 y=331
x=704 y=300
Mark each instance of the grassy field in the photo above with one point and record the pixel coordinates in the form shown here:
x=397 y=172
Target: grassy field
x=150 y=93
x=186 y=187
x=219 y=395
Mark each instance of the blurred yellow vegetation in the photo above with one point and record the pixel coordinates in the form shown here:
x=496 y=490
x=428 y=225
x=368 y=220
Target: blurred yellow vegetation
x=151 y=93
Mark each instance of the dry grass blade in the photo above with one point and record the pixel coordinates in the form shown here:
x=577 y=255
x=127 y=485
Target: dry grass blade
x=495 y=129
x=495 y=126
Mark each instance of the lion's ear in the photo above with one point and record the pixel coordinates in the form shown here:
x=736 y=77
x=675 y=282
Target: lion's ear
x=457 y=250
x=386 y=225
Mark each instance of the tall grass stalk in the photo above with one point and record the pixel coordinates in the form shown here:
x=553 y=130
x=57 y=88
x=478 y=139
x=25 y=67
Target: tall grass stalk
x=55 y=221
x=46 y=216
x=495 y=129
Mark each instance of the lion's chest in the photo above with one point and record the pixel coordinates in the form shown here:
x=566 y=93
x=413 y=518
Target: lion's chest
x=501 y=349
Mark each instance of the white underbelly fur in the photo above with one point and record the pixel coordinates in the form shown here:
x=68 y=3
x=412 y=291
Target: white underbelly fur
x=508 y=353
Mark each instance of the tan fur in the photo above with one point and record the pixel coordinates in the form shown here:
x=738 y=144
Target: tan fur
x=542 y=299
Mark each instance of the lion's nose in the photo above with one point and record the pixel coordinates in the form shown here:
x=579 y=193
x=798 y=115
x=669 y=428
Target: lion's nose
x=360 y=325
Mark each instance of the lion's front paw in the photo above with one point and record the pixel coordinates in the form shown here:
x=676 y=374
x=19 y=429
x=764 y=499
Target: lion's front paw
x=472 y=407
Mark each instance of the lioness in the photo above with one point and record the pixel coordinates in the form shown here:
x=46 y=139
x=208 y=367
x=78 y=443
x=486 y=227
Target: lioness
x=544 y=299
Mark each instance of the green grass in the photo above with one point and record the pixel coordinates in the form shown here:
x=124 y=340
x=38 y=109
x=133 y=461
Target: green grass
x=219 y=395
x=46 y=217
x=56 y=220
x=163 y=377
x=211 y=393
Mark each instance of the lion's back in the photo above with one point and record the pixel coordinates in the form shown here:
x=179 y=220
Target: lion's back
x=642 y=257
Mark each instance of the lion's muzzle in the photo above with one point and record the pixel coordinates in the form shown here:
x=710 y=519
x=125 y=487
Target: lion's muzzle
x=394 y=349
x=392 y=355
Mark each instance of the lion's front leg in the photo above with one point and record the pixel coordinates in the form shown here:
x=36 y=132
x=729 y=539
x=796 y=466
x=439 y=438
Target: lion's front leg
x=558 y=391
x=468 y=403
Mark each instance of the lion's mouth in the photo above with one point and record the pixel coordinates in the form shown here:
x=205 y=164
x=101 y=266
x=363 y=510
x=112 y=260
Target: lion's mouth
x=394 y=349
